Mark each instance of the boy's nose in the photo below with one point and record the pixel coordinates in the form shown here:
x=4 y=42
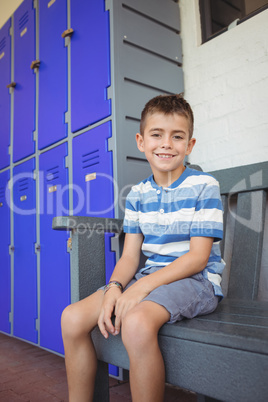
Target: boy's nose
x=166 y=142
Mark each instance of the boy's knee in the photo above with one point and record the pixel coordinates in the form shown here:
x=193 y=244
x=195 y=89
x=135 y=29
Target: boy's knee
x=70 y=322
x=136 y=330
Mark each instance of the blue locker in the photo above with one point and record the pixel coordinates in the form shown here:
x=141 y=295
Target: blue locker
x=52 y=72
x=25 y=263
x=5 y=273
x=93 y=173
x=90 y=63
x=93 y=182
x=5 y=79
x=54 y=259
x=24 y=94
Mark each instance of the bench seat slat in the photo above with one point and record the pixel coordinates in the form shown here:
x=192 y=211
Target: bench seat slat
x=227 y=335
x=240 y=319
x=224 y=335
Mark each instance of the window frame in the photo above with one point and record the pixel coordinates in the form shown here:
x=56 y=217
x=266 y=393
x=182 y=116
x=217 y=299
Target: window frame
x=205 y=20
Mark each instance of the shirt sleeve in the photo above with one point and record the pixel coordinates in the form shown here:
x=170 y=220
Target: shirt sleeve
x=208 y=217
x=131 y=219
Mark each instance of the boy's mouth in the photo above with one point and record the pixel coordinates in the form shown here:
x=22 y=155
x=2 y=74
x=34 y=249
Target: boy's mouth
x=165 y=156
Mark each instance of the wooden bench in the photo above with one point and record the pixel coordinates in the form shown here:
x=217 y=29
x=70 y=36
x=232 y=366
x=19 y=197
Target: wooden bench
x=221 y=356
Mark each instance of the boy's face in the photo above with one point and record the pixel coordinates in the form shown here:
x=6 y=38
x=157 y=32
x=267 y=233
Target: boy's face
x=165 y=143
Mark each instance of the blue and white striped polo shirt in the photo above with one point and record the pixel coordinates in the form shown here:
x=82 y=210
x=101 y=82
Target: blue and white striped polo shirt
x=169 y=217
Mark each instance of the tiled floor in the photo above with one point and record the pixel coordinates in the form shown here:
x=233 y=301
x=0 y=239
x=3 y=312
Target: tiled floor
x=28 y=373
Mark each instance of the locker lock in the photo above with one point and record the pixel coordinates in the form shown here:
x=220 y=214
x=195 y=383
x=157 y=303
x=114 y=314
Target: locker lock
x=35 y=64
x=11 y=85
x=67 y=33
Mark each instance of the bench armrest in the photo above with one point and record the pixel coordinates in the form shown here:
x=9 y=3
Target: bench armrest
x=87 y=251
x=82 y=223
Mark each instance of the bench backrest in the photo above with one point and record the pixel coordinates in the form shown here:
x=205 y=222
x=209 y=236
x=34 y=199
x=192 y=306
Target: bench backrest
x=244 y=195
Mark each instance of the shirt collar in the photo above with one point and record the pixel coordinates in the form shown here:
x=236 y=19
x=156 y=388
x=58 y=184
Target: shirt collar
x=175 y=184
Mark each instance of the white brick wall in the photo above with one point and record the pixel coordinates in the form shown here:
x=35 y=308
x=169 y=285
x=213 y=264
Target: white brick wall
x=226 y=83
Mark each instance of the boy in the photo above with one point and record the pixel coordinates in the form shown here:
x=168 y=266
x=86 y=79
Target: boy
x=175 y=217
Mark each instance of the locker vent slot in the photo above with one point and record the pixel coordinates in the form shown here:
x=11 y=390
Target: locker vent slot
x=23 y=20
x=52 y=173
x=90 y=159
x=2 y=193
x=23 y=184
x=2 y=44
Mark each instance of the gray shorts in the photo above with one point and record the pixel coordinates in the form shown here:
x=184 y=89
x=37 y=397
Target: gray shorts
x=185 y=298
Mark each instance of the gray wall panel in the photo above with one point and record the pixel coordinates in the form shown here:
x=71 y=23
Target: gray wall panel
x=131 y=127
x=137 y=95
x=166 y=12
x=148 y=34
x=149 y=69
x=146 y=56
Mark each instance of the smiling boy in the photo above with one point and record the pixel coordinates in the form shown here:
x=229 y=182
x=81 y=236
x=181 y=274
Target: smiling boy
x=175 y=218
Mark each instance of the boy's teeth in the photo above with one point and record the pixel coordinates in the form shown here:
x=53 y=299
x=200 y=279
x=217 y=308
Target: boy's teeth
x=164 y=156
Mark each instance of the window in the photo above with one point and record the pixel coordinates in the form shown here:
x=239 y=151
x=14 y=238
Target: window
x=217 y=15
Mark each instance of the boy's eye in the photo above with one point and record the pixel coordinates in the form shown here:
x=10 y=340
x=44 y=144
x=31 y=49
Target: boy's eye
x=177 y=137
x=155 y=135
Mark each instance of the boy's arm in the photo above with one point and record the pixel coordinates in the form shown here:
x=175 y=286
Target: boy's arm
x=127 y=265
x=193 y=262
x=124 y=271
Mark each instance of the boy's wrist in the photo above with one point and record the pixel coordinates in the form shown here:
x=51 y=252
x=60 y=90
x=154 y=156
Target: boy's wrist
x=146 y=284
x=113 y=284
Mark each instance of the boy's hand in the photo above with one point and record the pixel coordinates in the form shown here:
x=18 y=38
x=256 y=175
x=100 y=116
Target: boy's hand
x=127 y=300
x=107 y=310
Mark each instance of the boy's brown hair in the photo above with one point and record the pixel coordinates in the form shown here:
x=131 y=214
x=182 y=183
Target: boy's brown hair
x=168 y=104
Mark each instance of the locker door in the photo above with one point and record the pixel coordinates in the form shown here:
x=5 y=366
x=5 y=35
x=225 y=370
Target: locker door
x=93 y=180
x=24 y=94
x=54 y=259
x=52 y=72
x=25 y=267
x=93 y=173
x=5 y=291
x=90 y=63
x=5 y=78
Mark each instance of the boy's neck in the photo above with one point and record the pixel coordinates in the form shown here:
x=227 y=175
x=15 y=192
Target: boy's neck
x=165 y=179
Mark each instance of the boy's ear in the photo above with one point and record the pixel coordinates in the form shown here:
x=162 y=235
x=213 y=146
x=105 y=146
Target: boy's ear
x=139 y=140
x=190 y=146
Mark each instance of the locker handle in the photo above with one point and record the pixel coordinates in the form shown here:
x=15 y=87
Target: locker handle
x=69 y=243
x=66 y=33
x=35 y=64
x=11 y=85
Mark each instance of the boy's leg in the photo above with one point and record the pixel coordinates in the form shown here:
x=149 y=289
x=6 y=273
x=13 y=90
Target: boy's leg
x=78 y=320
x=140 y=336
